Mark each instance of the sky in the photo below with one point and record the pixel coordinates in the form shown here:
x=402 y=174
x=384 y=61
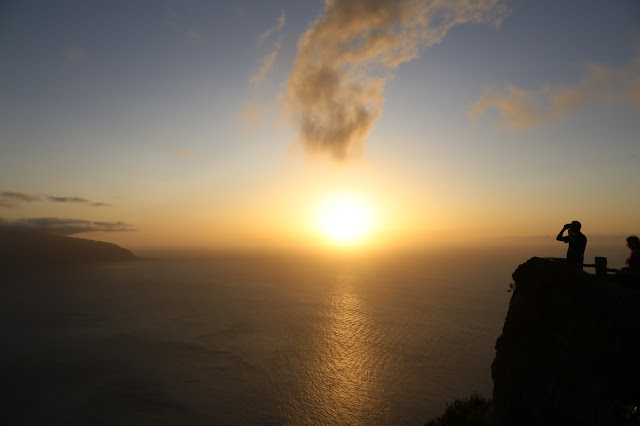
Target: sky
x=217 y=124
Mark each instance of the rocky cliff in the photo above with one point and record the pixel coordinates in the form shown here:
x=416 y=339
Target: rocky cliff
x=569 y=353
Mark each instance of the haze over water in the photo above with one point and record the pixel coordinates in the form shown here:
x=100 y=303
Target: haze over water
x=256 y=338
x=327 y=136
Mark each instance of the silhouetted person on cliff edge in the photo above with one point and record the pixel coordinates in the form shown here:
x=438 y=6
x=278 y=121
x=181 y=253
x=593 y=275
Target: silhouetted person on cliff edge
x=633 y=262
x=577 y=243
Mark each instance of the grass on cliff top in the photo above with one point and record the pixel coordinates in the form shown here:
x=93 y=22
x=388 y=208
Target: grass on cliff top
x=463 y=412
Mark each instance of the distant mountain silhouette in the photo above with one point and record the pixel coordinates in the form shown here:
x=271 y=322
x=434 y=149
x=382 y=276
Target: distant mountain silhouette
x=25 y=249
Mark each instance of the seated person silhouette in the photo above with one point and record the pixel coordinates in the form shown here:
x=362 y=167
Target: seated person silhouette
x=633 y=262
x=577 y=243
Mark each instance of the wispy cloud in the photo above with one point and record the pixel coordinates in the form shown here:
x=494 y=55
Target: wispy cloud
x=75 y=55
x=80 y=200
x=282 y=19
x=177 y=153
x=267 y=64
x=256 y=110
x=521 y=109
x=170 y=15
x=180 y=24
x=10 y=199
x=193 y=34
x=335 y=91
x=269 y=59
x=254 y=113
x=67 y=226
x=66 y=199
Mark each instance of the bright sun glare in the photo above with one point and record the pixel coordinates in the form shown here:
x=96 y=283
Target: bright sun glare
x=345 y=219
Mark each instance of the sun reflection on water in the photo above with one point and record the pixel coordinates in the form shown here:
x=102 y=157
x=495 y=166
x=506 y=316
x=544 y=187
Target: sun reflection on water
x=343 y=382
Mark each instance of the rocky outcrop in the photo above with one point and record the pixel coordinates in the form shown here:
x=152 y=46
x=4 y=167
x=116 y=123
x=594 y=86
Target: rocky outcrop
x=24 y=249
x=569 y=353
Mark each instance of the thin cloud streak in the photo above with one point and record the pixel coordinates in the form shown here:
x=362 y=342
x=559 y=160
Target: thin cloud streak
x=54 y=199
x=282 y=19
x=11 y=199
x=520 y=109
x=63 y=226
x=257 y=109
x=267 y=64
x=177 y=153
x=81 y=200
x=75 y=55
x=335 y=91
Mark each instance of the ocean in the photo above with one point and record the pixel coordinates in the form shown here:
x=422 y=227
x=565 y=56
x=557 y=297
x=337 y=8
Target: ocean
x=257 y=338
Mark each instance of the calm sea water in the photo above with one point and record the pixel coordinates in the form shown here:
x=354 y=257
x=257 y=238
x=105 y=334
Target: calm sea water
x=254 y=338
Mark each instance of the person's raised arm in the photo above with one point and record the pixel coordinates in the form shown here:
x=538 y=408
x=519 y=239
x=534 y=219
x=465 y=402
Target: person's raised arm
x=560 y=237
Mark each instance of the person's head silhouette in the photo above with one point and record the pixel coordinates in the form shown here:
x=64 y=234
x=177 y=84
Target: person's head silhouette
x=633 y=242
x=575 y=227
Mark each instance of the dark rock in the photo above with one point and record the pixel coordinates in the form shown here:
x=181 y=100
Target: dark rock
x=569 y=349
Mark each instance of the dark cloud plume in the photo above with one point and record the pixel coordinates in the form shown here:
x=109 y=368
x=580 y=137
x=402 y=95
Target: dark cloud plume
x=335 y=91
x=100 y=204
x=66 y=226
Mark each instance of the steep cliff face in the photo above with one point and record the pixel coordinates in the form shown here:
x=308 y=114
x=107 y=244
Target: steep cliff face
x=569 y=353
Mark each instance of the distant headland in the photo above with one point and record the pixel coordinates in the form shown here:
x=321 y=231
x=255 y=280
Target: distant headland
x=27 y=249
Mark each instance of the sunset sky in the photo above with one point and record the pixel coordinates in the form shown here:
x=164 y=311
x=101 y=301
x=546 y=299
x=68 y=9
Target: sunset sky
x=212 y=124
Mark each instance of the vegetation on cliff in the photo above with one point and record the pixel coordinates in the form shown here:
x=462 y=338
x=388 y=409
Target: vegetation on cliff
x=470 y=411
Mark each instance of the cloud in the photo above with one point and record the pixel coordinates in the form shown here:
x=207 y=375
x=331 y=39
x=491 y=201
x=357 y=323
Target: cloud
x=81 y=200
x=178 y=18
x=12 y=198
x=66 y=226
x=170 y=15
x=267 y=64
x=257 y=109
x=269 y=59
x=177 y=153
x=193 y=34
x=335 y=91
x=524 y=109
x=277 y=27
x=67 y=199
x=75 y=55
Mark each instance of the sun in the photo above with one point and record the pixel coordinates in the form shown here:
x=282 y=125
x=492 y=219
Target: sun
x=345 y=219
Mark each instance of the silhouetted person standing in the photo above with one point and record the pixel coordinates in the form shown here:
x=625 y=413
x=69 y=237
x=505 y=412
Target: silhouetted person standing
x=577 y=243
x=633 y=262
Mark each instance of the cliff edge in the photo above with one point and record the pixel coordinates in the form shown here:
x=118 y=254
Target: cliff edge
x=569 y=353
